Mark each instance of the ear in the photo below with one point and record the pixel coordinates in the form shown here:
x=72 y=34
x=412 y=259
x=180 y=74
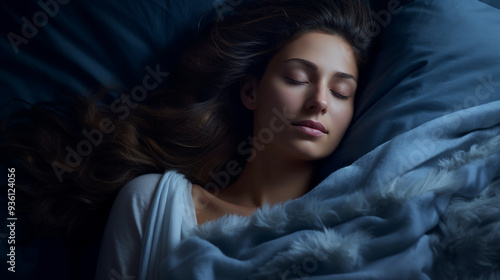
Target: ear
x=247 y=92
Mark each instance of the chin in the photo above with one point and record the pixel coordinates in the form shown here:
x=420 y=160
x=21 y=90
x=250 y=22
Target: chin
x=308 y=150
x=315 y=152
x=313 y=155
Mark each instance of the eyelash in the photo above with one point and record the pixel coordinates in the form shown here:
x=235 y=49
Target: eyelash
x=295 y=82
x=340 y=96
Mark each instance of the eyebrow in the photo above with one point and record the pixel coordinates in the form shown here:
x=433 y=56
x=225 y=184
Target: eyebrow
x=313 y=66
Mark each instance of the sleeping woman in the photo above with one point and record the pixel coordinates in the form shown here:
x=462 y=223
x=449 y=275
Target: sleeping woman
x=252 y=107
x=285 y=71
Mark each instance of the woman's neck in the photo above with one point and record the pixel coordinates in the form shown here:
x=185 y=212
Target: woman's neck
x=269 y=179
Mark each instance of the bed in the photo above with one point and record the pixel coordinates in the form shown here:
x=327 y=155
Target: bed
x=412 y=192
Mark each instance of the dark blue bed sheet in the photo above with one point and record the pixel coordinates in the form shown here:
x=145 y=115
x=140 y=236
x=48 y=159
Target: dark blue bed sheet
x=52 y=46
x=49 y=47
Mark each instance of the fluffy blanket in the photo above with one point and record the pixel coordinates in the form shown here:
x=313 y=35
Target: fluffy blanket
x=424 y=205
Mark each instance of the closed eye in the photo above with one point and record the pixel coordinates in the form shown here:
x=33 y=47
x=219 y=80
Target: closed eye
x=295 y=82
x=339 y=96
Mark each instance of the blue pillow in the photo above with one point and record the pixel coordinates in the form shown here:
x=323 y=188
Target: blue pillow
x=430 y=58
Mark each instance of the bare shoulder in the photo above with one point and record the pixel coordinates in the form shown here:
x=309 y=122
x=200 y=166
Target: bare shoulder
x=205 y=204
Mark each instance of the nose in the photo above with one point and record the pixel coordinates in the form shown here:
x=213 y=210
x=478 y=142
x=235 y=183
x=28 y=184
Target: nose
x=318 y=100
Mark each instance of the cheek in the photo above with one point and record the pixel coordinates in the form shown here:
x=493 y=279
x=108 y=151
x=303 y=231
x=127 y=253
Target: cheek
x=342 y=116
x=273 y=95
x=340 y=120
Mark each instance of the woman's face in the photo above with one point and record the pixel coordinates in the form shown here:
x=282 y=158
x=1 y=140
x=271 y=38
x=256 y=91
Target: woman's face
x=304 y=102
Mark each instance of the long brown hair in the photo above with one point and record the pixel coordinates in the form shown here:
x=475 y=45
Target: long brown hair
x=189 y=126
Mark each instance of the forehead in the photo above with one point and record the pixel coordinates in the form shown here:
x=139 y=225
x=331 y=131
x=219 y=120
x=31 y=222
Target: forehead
x=329 y=52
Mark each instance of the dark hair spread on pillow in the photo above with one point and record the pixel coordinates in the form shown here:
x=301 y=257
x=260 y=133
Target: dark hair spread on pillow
x=189 y=126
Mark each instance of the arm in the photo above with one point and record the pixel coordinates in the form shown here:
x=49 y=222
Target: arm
x=122 y=240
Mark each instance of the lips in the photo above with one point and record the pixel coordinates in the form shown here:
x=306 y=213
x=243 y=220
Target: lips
x=310 y=124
